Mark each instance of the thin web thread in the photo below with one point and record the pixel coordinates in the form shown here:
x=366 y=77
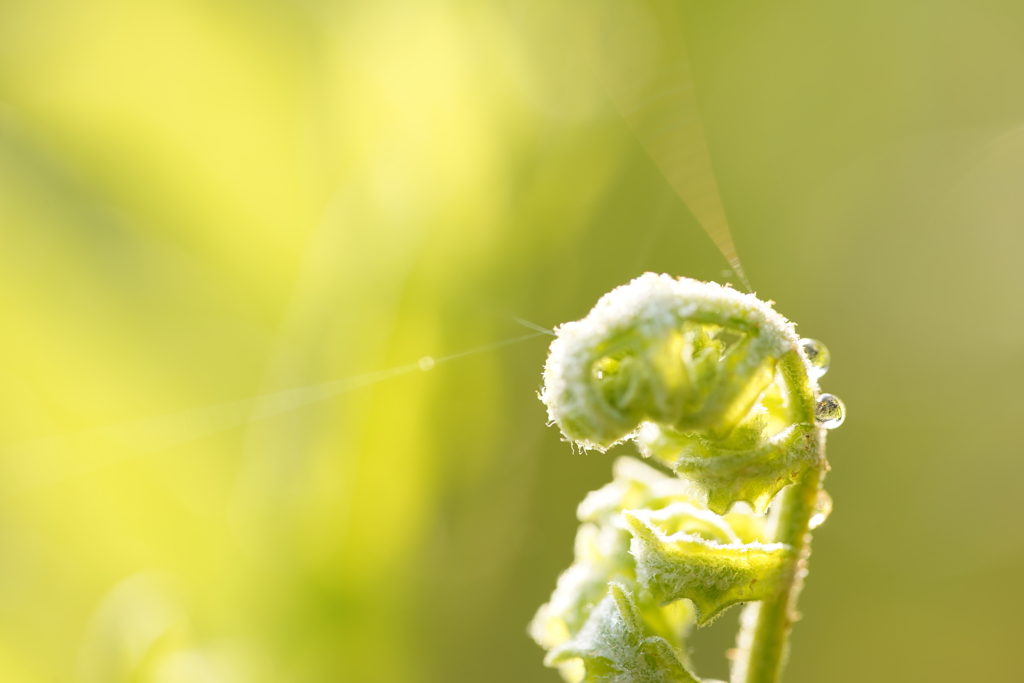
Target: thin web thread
x=655 y=96
x=34 y=464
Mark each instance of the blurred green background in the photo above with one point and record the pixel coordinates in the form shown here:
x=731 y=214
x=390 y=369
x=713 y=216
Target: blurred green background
x=206 y=201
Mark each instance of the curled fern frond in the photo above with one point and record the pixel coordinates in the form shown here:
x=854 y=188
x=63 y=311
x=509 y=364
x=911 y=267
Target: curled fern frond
x=715 y=385
x=711 y=381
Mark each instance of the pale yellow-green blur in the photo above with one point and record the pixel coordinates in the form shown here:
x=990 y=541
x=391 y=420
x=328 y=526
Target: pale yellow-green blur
x=223 y=224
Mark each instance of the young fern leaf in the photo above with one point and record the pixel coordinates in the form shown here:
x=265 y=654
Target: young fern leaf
x=616 y=646
x=750 y=472
x=715 y=385
x=713 y=575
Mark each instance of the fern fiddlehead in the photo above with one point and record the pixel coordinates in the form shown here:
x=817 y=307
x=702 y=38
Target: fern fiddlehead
x=716 y=386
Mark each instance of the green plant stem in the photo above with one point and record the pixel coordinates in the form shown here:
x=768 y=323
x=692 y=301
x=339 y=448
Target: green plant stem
x=764 y=642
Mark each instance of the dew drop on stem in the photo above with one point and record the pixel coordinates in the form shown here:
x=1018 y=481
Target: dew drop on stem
x=829 y=411
x=817 y=354
x=822 y=509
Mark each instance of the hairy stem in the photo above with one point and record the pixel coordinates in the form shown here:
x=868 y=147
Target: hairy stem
x=764 y=636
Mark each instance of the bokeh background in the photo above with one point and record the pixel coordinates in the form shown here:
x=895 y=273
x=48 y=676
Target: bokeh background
x=204 y=202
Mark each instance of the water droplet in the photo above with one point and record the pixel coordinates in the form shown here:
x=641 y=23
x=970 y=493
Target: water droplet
x=822 y=509
x=830 y=411
x=818 y=355
x=426 y=363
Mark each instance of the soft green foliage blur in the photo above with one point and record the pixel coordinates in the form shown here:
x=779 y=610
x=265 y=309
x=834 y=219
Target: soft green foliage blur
x=202 y=202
